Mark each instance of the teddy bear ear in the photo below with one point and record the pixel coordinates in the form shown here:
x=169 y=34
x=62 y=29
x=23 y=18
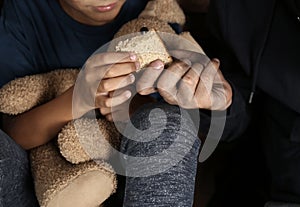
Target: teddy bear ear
x=165 y=10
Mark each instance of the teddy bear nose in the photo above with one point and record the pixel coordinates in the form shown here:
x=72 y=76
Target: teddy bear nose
x=144 y=30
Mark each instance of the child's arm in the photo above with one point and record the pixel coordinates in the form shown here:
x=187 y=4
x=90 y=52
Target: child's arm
x=39 y=125
x=103 y=73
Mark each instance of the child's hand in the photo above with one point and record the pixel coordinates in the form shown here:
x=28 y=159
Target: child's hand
x=102 y=74
x=124 y=111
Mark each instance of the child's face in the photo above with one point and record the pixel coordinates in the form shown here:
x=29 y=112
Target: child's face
x=92 y=12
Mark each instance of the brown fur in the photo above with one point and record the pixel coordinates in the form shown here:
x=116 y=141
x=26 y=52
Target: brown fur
x=52 y=173
x=95 y=142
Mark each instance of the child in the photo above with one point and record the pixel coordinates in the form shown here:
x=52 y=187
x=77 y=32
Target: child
x=40 y=36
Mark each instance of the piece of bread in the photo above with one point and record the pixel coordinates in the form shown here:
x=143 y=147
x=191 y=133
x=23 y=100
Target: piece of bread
x=147 y=45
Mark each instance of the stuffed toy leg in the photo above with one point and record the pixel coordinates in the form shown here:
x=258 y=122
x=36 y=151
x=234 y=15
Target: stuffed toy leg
x=58 y=182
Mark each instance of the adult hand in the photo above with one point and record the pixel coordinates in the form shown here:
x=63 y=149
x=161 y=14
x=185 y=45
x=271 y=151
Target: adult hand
x=191 y=81
x=102 y=74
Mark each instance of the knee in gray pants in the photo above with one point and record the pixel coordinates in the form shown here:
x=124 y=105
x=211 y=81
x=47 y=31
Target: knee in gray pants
x=16 y=185
x=160 y=157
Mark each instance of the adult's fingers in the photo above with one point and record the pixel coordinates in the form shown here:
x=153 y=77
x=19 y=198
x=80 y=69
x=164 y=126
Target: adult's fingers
x=194 y=57
x=205 y=85
x=167 y=82
x=221 y=93
x=187 y=87
x=147 y=80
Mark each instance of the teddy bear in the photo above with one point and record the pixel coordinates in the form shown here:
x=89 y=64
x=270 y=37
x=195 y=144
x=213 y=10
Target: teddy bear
x=72 y=170
x=63 y=172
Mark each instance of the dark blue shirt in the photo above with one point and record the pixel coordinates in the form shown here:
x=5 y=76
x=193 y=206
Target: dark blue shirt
x=38 y=36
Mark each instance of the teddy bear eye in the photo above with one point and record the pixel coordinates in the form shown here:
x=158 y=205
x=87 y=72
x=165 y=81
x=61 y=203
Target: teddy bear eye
x=143 y=30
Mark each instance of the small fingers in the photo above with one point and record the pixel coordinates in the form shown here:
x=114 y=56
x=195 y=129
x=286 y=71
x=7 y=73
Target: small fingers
x=121 y=90
x=118 y=116
x=109 y=102
x=105 y=110
x=108 y=110
x=116 y=70
x=112 y=84
x=109 y=58
x=119 y=113
x=108 y=65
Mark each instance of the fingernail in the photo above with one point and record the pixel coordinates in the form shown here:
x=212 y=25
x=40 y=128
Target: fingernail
x=132 y=78
x=127 y=94
x=216 y=60
x=137 y=65
x=187 y=61
x=133 y=57
x=158 y=65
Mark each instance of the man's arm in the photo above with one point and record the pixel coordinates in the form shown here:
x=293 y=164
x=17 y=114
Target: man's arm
x=239 y=113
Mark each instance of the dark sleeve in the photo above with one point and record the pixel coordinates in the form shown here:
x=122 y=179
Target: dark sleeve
x=238 y=114
x=15 y=60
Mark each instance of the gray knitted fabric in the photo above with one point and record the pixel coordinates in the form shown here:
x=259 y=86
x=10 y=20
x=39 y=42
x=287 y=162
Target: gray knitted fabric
x=149 y=181
x=16 y=185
